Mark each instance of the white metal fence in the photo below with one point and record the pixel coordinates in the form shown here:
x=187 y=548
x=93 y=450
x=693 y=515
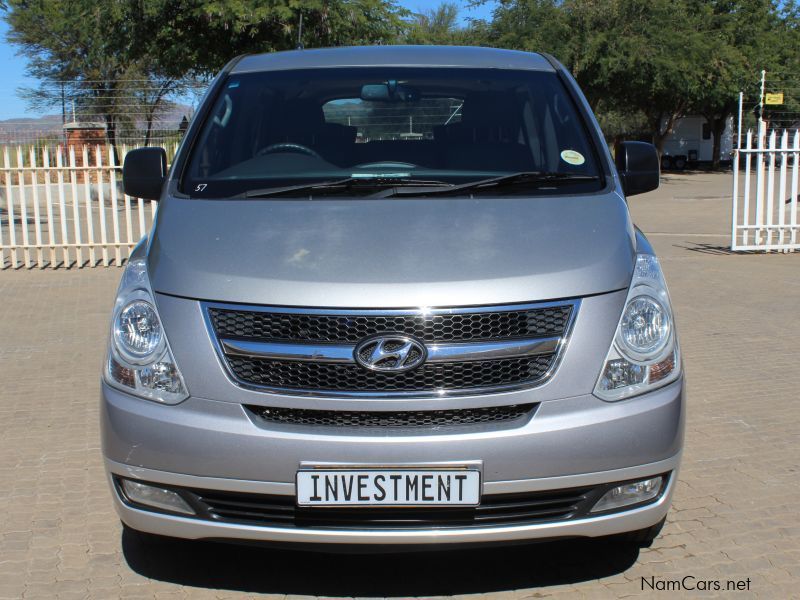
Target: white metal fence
x=766 y=171
x=64 y=207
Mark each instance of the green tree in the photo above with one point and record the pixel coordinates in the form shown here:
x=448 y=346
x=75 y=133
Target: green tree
x=639 y=57
x=79 y=50
x=436 y=26
x=197 y=37
x=533 y=26
x=645 y=56
x=657 y=59
x=744 y=37
x=120 y=61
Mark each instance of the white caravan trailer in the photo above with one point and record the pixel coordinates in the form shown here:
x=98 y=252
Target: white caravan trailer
x=692 y=142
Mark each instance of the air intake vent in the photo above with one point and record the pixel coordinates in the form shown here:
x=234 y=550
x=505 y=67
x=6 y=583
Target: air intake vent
x=405 y=419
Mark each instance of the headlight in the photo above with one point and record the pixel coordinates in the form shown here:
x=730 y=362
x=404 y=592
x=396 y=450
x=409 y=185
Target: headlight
x=645 y=353
x=137 y=332
x=645 y=327
x=139 y=359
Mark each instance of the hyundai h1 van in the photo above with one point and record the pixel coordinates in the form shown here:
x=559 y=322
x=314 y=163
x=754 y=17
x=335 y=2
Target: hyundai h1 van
x=393 y=297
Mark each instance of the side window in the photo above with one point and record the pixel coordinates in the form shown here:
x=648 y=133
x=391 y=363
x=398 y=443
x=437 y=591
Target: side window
x=213 y=141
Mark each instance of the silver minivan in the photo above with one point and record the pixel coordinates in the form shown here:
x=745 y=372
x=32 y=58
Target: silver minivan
x=393 y=297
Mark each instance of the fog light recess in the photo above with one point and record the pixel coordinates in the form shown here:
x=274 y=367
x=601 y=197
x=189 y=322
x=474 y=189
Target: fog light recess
x=157 y=497
x=627 y=494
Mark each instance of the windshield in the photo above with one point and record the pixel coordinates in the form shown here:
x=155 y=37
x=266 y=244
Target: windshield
x=390 y=126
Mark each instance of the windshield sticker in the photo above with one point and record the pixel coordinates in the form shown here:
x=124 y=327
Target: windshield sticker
x=572 y=157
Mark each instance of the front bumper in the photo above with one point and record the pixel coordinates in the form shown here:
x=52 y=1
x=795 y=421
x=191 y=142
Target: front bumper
x=194 y=528
x=571 y=442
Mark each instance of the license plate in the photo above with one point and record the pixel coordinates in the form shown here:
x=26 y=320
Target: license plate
x=400 y=487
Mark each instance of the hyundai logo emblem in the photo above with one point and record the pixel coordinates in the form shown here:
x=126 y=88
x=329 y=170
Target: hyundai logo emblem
x=391 y=353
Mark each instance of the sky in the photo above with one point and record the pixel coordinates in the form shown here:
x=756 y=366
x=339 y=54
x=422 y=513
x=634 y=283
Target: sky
x=12 y=66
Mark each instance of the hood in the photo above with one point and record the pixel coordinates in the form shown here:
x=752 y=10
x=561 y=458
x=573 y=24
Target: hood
x=392 y=253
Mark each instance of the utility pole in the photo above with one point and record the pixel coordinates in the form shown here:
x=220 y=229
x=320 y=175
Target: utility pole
x=762 y=144
x=761 y=99
x=739 y=126
x=300 y=33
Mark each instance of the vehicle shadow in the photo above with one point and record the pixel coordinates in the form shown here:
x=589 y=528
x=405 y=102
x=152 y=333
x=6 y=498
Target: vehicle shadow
x=714 y=249
x=256 y=569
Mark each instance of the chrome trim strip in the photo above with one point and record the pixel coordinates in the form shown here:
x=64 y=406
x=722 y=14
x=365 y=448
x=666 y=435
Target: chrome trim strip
x=503 y=486
x=422 y=310
x=343 y=353
x=311 y=393
x=328 y=353
x=464 y=352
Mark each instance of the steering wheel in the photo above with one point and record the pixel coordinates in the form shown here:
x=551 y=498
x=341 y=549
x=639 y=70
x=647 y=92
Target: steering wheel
x=288 y=147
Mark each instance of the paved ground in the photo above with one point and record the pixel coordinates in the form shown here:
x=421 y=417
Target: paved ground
x=735 y=515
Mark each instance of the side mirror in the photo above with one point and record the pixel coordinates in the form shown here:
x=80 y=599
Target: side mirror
x=144 y=173
x=637 y=164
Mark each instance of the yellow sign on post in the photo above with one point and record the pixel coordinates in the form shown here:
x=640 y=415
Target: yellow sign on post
x=773 y=99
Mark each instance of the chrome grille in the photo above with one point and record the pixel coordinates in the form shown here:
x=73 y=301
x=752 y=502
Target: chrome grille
x=429 y=377
x=416 y=419
x=459 y=327
x=468 y=350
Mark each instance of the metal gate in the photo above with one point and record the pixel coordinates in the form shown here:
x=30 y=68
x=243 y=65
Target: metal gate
x=64 y=207
x=766 y=171
x=766 y=166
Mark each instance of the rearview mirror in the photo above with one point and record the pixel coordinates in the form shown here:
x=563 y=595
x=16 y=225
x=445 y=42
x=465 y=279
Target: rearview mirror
x=638 y=167
x=144 y=173
x=391 y=91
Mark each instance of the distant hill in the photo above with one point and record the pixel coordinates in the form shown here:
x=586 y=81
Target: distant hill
x=27 y=129
x=46 y=119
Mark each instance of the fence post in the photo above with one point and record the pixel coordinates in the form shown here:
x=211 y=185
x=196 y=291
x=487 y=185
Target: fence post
x=37 y=216
x=101 y=202
x=748 y=163
x=76 y=215
x=23 y=209
x=759 y=220
x=62 y=204
x=735 y=194
x=770 y=188
x=49 y=199
x=12 y=228
x=795 y=178
x=2 y=245
x=782 y=186
x=87 y=190
x=112 y=181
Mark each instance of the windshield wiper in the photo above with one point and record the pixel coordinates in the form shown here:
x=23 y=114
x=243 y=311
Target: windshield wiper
x=493 y=183
x=348 y=183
